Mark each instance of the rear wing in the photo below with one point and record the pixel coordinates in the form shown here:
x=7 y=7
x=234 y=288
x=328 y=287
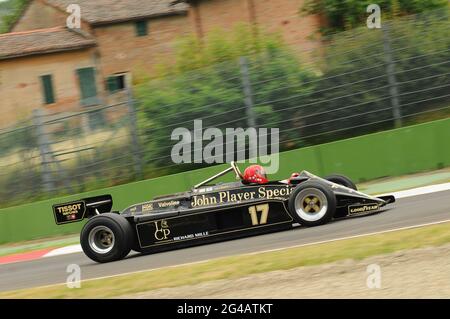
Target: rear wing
x=84 y=208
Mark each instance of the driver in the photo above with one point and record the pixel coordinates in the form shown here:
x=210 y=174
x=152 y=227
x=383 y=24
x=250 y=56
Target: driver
x=293 y=176
x=255 y=174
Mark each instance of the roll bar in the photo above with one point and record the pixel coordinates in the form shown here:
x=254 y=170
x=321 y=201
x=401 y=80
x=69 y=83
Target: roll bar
x=233 y=167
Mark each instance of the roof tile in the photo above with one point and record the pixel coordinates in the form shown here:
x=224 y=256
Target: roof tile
x=109 y=11
x=18 y=44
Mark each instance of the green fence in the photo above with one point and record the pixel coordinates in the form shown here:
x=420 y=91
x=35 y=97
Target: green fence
x=390 y=153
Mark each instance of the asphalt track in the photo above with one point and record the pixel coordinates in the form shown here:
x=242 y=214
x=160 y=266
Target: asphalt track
x=406 y=212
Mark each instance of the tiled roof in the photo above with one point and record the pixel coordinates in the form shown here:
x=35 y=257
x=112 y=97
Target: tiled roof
x=18 y=44
x=110 y=11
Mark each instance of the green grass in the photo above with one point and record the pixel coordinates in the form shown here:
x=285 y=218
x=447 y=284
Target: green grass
x=399 y=183
x=242 y=265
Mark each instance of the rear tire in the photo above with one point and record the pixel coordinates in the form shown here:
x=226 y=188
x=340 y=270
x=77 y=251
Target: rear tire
x=341 y=180
x=106 y=237
x=312 y=203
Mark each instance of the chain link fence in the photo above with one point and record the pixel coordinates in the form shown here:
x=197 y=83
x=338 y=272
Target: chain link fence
x=69 y=153
x=361 y=81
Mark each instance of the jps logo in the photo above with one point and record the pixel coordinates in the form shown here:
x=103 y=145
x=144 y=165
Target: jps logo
x=162 y=230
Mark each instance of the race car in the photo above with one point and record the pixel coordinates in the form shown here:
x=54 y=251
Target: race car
x=214 y=212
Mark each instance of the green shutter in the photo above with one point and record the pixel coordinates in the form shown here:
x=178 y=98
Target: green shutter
x=47 y=88
x=112 y=84
x=88 y=87
x=141 y=28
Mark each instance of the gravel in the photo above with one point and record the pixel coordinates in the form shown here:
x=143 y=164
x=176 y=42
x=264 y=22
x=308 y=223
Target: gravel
x=418 y=273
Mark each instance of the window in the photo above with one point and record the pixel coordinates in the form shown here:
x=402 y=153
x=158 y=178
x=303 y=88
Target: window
x=115 y=83
x=141 y=28
x=88 y=87
x=47 y=89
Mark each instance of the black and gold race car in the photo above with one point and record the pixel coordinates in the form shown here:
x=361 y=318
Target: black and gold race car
x=214 y=212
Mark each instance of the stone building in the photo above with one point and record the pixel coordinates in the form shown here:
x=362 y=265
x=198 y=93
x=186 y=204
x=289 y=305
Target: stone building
x=45 y=64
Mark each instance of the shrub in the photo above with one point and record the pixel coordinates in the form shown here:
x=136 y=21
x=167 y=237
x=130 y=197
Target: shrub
x=205 y=82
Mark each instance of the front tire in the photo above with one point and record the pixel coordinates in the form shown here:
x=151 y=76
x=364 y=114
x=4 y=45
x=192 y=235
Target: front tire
x=106 y=237
x=312 y=203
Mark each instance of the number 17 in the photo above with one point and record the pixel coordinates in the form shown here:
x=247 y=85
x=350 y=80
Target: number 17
x=263 y=209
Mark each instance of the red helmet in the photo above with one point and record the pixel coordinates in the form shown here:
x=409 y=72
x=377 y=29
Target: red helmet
x=293 y=175
x=255 y=174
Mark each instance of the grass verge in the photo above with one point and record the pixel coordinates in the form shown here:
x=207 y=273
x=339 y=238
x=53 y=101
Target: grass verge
x=28 y=246
x=400 y=183
x=242 y=265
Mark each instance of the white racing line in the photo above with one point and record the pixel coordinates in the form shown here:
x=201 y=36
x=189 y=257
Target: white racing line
x=401 y=194
x=64 y=251
x=419 y=191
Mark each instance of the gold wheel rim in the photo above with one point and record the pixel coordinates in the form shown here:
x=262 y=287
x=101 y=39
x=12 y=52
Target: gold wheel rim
x=312 y=204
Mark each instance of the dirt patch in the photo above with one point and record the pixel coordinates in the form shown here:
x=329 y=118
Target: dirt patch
x=418 y=273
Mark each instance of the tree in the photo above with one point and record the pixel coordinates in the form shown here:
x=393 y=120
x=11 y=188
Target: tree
x=11 y=11
x=205 y=82
x=354 y=96
x=344 y=15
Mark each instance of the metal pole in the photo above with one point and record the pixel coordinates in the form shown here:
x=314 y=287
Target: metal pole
x=135 y=145
x=248 y=95
x=249 y=104
x=390 y=70
x=43 y=145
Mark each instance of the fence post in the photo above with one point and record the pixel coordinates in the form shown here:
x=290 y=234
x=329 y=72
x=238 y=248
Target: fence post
x=390 y=70
x=135 y=145
x=44 y=150
x=248 y=95
x=249 y=104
